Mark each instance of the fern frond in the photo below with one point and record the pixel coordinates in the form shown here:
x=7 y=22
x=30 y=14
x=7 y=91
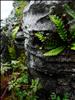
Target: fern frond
x=73 y=27
x=60 y=27
x=69 y=11
x=72 y=30
x=40 y=36
x=55 y=51
x=73 y=46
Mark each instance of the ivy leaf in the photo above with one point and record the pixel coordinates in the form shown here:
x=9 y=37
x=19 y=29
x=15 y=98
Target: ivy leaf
x=55 y=51
x=73 y=46
x=69 y=11
x=14 y=31
x=59 y=26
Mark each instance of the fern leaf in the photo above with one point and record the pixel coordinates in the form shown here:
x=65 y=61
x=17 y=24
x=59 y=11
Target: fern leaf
x=60 y=27
x=69 y=11
x=72 y=30
x=73 y=46
x=14 y=32
x=73 y=27
x=40 y=36
x=55 y=51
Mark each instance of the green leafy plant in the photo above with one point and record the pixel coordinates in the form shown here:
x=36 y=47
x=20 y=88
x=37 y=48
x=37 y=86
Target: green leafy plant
x=40 y=36
x=16 y=82
x=19 y=84
x=55 y=51
x=17 y=65
x=59 y=27
x=31 y=92
x=69 y=11
x=19 y=9
x=4 y=68
x=54 y=96
x=12 y=51
x=14 y=31
x=65 y=31
x=22 y=89
x=72 y=14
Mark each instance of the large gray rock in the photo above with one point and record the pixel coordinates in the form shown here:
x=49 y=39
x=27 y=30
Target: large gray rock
x=57 y=74
x=37 y=12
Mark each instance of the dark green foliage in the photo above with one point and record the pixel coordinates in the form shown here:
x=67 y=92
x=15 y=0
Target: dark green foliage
x=64 y=35
x=19 y=9
x=65 y=31
x=69 y=11
x=53 y=96
x=73 y=46
x=40 y=36
x=59 y=26
x=14 y=32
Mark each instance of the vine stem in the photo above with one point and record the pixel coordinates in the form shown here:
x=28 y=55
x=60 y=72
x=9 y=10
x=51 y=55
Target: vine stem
x=1 y=98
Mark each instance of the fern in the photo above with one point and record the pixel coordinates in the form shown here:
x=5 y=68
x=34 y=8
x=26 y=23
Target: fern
x=63 y=35
x=69 y=11
x=72 y=30
x=60 y=27
x=73 y=27
x=40 y=36
x=73 y=46
x=67 y=38
x=55 y=51
x=4 y=68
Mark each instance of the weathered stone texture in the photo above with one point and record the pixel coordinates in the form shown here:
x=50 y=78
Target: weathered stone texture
x=56 y=73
